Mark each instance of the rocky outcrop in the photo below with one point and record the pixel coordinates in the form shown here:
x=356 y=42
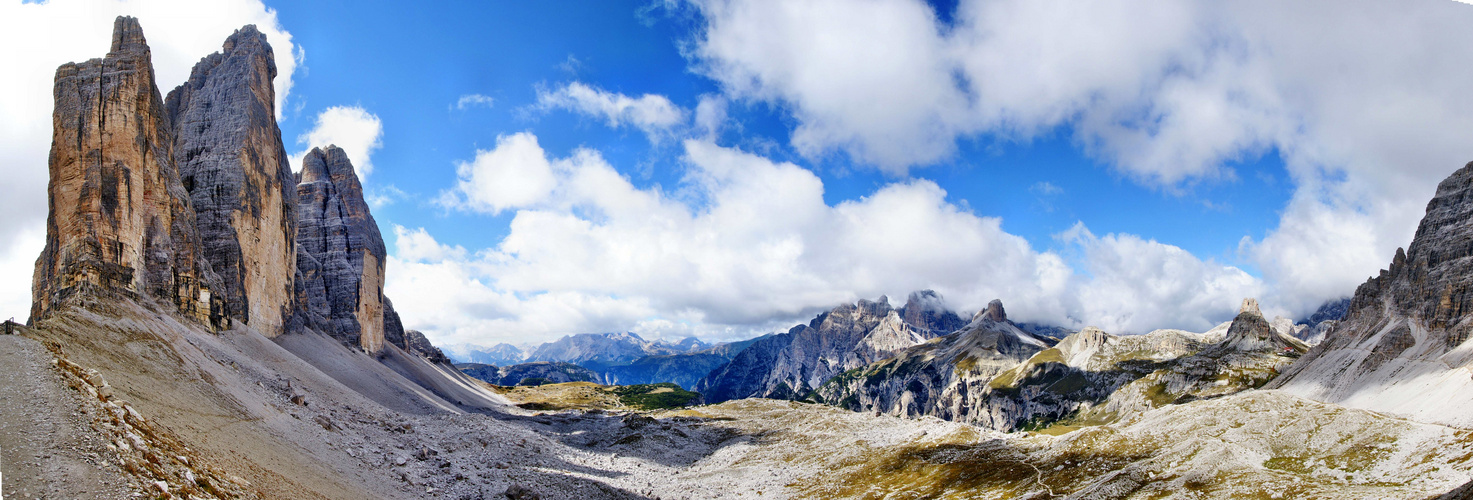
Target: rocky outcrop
x=416 y=343
x=120 y=222
x=1401 y=347
x=230 y=158
x=792 y=364
x=340 y=253
x=997 y=376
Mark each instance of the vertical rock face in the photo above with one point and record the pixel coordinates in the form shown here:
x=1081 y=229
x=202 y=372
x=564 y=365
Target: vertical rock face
x=120 y=221
x=340 y=253
x=230 y=157
x=1402 y=345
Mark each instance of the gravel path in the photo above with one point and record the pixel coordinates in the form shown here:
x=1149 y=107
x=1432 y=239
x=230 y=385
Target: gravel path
x=48 y=449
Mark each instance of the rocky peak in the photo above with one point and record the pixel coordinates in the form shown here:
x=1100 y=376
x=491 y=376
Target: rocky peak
x=925 y=310
x=340 y=253
x=993 y=312
x=1250 y=331
x=120 y=221
x=1250 y=306
x=128 y=38
x=415 y=342
x=1430 y=280
x=231 y=159
x=1403 y=327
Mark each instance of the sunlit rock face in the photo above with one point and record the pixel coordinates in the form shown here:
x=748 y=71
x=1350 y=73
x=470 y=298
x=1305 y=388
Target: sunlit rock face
x=1402 y=346
x=231 y=160
x=340 y=253
x=120 y=222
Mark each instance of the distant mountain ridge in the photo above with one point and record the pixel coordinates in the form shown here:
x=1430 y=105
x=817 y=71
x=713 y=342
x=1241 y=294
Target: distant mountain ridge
x=791 y=364
x=599 y=351
x=995 y=375
x=500 y=354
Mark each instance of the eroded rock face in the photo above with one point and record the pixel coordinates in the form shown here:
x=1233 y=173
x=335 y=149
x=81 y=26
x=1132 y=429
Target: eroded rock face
x=416 y=343
x=120 y=221
x=340 y=253
x=1401 y=347
x=230 y=158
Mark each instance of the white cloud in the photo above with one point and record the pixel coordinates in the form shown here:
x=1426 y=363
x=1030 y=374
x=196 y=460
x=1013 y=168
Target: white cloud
x=352 y=128
x=1365 y=101
x=473 y=100
x=651 y=113
x=17 y=262
x=515 y=174
x=761 y=250
x=1139 y=285
x=710 y=115
x=47 y=35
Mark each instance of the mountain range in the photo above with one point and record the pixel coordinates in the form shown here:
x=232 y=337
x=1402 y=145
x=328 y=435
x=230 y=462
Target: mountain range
x=208 y=324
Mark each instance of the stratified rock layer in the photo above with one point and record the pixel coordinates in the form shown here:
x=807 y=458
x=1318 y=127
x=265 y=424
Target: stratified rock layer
x=1403 y=344
x=340 y=253
x=119 y=221
x=230 y=158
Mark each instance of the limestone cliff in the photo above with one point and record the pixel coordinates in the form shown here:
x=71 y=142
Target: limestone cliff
x=231 y=159
x=340 y=253
x=120 y=221
x=1402 y=346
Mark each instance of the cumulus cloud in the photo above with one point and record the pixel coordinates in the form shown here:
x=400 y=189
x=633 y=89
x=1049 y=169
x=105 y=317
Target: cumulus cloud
x=1365 y=101
x=710 y=115
x=1129 y=272
x=472 y=100
x=651 y=113
x=47 y=35
x=516 y=173
x=759 y=251
x=352 y=128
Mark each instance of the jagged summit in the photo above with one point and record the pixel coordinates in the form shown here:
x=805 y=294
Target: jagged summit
x=127 y=37
x=120 y=222
x=790 y=365
x=1250 y=306
x=1250 y=331
x=1401 y=346
x=993 y=312
x=232 y=161
x=340 y=254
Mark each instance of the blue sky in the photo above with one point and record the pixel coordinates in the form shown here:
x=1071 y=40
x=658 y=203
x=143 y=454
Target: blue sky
x=507 y=50
x=725 y=168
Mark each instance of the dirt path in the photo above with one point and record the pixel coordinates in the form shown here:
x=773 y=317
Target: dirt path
x=47 y=447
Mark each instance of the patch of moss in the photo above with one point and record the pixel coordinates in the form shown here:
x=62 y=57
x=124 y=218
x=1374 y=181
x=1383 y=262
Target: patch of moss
x=661 y=396
x=1050 y=355
x=1158 y=396
x=1005 y=380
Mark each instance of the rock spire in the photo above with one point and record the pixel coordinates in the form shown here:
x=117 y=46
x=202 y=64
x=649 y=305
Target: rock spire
x=231 y=159
x=340 y=253
x=120 y=221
